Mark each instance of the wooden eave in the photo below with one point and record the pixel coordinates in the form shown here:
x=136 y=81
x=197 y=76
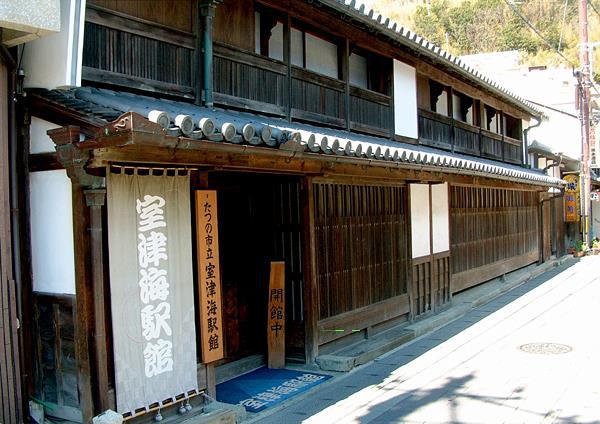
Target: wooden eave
x=59 y=114
x=134 y=140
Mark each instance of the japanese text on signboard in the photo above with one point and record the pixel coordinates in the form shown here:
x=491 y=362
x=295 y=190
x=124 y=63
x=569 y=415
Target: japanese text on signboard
x=154 y=286
x=210 y=280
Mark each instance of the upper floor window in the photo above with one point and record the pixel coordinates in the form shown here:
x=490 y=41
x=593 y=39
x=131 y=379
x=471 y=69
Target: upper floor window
x=439 y=98
x=268 y=37
x=314 y=52
x=492 y=120
x=370 y=71
x=513 y=127
x=463 y=108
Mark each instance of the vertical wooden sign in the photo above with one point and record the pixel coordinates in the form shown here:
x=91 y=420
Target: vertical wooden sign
x=276 y=316
x=207 y=242
x=571 y=198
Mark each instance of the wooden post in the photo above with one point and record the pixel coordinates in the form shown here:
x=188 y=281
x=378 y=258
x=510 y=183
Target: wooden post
x=276 y=316
x=311 y=303
x=95 y=199
x=345 y=67
x=74 y=160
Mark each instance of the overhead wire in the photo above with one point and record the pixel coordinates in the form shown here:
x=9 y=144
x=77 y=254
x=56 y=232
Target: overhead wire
x=562 y=26
x=538 y=33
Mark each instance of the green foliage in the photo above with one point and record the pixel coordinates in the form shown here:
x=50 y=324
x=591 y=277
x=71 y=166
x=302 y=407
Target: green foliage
x=581 y=246
x=481 y=26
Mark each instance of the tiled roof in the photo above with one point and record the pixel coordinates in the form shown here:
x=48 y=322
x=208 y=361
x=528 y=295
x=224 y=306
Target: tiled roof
x=360 y=12
x=188 y=120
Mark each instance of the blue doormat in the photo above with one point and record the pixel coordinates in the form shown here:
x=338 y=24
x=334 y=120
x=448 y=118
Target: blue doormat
x=266 y=387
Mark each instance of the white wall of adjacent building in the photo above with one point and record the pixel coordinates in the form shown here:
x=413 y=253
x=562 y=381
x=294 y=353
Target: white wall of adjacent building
x=55 y=60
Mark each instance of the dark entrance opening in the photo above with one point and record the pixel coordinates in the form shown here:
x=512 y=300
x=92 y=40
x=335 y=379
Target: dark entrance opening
x=260 y=220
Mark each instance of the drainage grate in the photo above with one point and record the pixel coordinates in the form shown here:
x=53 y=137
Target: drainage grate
x=546 y=348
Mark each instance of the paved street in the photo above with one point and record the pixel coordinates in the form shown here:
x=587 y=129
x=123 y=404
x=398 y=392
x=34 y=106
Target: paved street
x=474 y=370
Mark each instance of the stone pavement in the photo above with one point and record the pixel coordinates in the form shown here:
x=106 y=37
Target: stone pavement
x=473 y=370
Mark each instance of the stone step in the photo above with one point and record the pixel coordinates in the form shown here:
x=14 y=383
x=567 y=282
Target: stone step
x=364 y=351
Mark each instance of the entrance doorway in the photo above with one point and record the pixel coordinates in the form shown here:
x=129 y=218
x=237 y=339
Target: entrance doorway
x=259 y=222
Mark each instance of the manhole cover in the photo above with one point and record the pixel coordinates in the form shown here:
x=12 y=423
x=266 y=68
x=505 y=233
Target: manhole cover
x=546 y=348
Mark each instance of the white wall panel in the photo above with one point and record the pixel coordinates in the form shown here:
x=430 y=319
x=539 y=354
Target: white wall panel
x=40 y=142
x=405 y=100
x=55 y=61
x=419 y=220
x=52 y=251
x=440 y=215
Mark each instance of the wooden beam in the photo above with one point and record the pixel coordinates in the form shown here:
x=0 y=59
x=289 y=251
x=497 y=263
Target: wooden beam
x=44 y=162
x=342 y=325
x=257 y=159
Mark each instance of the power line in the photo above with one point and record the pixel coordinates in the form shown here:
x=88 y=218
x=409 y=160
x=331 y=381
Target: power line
x=534 y=29
x=562 y=26
x=593 y=7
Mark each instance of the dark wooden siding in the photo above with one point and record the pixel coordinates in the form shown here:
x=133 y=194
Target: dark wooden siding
x=430 y=283
x=250 y=77
x=178 y=14
x=10 y=375
x=361 y=246
x=493 y=231
x=55 y=367
x=120 y=52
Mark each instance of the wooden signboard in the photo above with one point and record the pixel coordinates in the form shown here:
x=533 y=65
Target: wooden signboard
x=572 y=198
x=276 y=316
x=209 y=289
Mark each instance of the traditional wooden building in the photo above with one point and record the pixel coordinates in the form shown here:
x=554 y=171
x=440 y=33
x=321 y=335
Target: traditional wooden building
x=20 y=22
x=386 y=174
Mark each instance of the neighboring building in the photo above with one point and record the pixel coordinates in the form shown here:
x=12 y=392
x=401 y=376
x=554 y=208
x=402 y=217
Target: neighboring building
x=20 y=21
x=386 y=174
x=555 y=145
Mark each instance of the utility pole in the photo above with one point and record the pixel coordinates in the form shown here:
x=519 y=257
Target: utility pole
x=584 y=90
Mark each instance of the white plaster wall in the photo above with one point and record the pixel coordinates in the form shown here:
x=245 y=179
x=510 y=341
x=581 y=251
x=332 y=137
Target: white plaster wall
x=440 y=215
x=40 y=142
x=405 y=100
x=321 y=56
x=419 y=220
x=55 y=61
x=52 y=251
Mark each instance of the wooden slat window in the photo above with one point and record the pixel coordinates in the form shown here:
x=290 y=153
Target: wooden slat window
x=490 y=225
x=361 y=244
